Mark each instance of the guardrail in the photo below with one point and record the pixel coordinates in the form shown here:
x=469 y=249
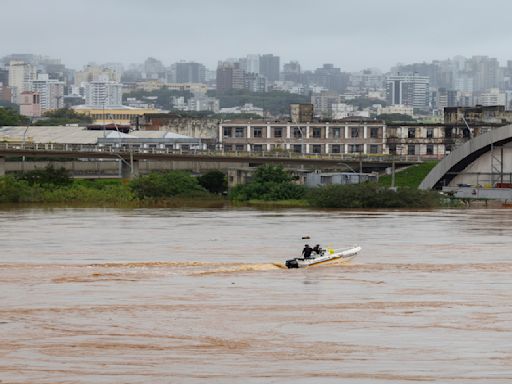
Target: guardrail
x=131 y=150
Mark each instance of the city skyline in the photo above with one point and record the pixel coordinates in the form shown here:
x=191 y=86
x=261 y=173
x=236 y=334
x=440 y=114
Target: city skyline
x=351 y=35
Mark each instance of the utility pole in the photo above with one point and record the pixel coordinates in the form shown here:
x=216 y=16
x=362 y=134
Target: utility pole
x=393 y=175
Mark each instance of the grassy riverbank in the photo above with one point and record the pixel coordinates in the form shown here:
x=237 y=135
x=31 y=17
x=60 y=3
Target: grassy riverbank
x=410 y=177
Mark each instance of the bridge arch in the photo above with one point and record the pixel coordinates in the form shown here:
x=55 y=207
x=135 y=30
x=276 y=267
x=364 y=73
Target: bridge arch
x=465 y=155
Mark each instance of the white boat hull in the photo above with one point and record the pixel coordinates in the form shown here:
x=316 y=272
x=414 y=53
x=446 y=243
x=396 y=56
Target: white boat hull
x=330 y=255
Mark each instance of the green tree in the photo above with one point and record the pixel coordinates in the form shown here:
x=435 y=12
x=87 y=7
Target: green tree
x=395 y=117
x=270 y=182
x=63 y=116
x=275 y=102
x=370 y=195
x=271 y=173
x=15 y=191
x=49 y=176
x=164 y=185
x=9 y=117
x=214 y=181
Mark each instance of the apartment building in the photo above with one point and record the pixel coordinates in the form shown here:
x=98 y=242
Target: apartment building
x=51 y=92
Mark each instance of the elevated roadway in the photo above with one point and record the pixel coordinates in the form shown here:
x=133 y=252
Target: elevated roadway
x=131 y=155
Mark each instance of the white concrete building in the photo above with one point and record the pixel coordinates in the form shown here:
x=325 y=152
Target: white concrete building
x=103 y=93
x=20 y=76
x=411 y=90
x=399 y=108
x=51 y=92
x=492 y=97
x=246 y=108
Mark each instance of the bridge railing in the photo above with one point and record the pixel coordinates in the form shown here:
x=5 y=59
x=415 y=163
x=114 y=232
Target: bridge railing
x=127 y=150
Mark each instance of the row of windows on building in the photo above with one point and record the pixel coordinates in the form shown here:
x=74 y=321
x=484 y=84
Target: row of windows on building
x=298 y=133
x=110 y=116
x=394 y=149
x=313 y=148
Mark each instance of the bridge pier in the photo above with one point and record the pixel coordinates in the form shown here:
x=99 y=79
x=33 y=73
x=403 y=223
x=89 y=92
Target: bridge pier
x=2 y=166
x=129 y=170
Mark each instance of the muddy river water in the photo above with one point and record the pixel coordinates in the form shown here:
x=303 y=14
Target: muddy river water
x=195 y=296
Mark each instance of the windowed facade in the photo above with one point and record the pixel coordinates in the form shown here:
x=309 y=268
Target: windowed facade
x=257 y=148
x=392 y=149
x=336 y=148
x=411 y=133
x=354 y=132
x=430 y=149
x=257 y=132
x=297 y=148
x=227 y=131
x=316 y=148
x=317 y=133
x=239 y=132
x=411 y=149
x=297 y=133
x=430 y=133
x=336 y=133
x=374 y=148
x=278 y=133
x=374 y=133
x=355 y=148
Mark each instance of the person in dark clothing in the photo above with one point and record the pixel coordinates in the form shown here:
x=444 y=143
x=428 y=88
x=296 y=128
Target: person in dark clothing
x=317 y=249
x=306 y=252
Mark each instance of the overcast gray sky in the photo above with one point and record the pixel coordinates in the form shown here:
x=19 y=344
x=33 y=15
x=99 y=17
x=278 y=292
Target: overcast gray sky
x=352 y=34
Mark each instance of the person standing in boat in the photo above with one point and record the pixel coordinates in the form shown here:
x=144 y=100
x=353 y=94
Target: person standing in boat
x=306 y=252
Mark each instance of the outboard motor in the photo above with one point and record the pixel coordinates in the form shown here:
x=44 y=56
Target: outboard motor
x=293 y=263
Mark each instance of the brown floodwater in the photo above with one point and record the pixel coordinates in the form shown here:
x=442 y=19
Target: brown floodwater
x=196 y=295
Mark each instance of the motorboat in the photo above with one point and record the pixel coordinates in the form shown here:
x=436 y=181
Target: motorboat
x=325 y=256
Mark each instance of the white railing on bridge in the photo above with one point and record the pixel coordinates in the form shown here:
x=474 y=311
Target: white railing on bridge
x=93 y=148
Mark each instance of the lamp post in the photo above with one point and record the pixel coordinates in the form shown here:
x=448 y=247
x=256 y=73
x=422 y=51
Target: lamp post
x=23 y=147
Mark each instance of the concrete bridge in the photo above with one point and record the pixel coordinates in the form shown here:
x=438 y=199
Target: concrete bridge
x=485 y=159
x=130 y=157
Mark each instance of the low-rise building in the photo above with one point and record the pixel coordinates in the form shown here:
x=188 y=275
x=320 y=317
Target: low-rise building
x=316 y=179
x=348 y=136
x=113 y=114
x=244 y=109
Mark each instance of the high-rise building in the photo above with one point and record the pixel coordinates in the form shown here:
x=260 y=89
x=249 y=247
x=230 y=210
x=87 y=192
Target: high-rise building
x=331 y=78
x=189 y=72
x=94 y=72
x=51 y=92
x=20 y=76
x=229 y=76
x=410 y=90
x=270 y=67
x=154 y=69
x=486 y=72
x=323 y=102
x=255 y=83
x=301 y=113
x=253 y=64
x=291 y=71
x=103 y=93
x=4 y=76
